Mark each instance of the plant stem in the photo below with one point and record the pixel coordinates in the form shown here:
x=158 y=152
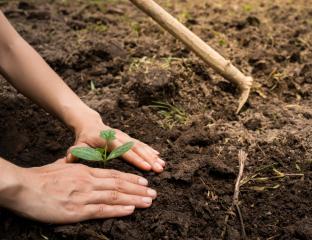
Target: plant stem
x=105 y=151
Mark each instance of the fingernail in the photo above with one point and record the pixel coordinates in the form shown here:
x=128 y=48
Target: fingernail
x=147 y=200
x=162 y=162
x=156 y=151
x=129 y=208
x=69 y=157
x=158 y=167
x=142 y=181
x=151 y=192
x=147 y=165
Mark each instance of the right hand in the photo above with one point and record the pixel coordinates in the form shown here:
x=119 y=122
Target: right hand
x=66 y=193
x=87 y=131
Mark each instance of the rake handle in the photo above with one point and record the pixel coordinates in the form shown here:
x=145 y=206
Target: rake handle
x=193 y=42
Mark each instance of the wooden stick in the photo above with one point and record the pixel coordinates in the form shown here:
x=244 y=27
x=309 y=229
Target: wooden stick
x=242 y=157
x=199 y=47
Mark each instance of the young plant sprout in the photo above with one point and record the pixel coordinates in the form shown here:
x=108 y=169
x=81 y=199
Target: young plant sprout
x=101 y=154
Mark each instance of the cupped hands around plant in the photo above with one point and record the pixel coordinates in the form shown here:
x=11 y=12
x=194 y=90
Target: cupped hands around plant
x=140 y=155
x=101 y=154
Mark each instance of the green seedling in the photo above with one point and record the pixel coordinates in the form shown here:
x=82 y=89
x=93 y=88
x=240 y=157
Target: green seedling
x=136 y=27
x=247 y=8
x=184 y=16
x=171 y=114
x=222 y=42
x=101 y=154
x=97 y=27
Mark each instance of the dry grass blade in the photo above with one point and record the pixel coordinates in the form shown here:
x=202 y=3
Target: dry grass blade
x=269 y=181
x=242 y=158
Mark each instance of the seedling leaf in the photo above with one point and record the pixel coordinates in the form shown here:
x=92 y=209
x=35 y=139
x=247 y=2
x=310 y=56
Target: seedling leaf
x=108 y=135
x=87 y=153
x=120 y=150
x=101 y=150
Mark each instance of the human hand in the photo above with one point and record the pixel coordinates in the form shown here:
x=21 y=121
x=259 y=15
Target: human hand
x=66 y=193
x=141 y=155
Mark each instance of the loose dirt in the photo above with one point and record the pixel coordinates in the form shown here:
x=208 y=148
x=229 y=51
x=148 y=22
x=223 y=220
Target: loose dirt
x=132 y=65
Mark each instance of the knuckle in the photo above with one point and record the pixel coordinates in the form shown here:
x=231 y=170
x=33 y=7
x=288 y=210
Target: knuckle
x=102 y=210
x=118 y=184
x=72 y=214
x=70 y=207
x=136 y=146
x=154 y=159
x=115 y=174
x=120 y=133
x=114 y=196
x=79 y=184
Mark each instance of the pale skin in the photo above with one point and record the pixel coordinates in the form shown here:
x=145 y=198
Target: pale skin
x=66 y=192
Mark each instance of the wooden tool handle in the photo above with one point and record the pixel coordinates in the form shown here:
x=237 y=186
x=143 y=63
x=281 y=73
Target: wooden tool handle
x=193 y=42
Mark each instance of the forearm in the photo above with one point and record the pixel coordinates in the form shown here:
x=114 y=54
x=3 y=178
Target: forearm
x=31 y=75
x=9 y=182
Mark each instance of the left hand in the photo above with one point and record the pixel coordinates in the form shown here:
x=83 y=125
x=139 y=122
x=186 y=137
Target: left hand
x=140 y=155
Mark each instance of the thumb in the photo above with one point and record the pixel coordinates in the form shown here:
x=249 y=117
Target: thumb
x=70 y=157
x=61 y=160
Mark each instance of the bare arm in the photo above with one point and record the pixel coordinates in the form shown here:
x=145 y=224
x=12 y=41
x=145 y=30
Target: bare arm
x=32 y=76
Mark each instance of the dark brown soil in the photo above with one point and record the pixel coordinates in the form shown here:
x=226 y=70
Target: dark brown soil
x=132 y=63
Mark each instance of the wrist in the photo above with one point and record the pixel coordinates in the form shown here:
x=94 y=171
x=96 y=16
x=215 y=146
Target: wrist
x=10 y=182
x=80 y=118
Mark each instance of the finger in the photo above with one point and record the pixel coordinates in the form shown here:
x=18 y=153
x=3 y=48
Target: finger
x=152 y=159
x=155 y=151
x=139 y=146
x=111 y=197
x=105 y=173
x=70 y=157
x=125 y=138
x=120 y=185
x=93 y=211
x=150 y=148
x=134 y=158
x=162 y=162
